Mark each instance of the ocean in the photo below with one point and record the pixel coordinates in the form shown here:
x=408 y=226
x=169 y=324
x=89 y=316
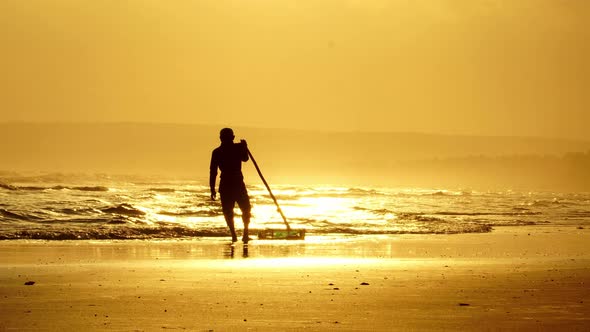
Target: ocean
x=102 y=207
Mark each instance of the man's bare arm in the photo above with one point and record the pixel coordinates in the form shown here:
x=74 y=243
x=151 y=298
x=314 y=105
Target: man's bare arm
x=245 y=156
x=213 y=175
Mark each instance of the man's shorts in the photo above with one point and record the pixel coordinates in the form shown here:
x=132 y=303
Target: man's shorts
x=231 y=196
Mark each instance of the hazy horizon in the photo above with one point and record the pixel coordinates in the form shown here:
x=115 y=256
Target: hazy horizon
x=321 y=130
x=300 y=157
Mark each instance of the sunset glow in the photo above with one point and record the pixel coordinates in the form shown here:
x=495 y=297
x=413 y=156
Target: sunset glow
x=291 y=165
x=457 y=67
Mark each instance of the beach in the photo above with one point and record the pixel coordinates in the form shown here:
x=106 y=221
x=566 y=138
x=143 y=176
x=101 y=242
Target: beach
x=435 y=155
x=513 y=278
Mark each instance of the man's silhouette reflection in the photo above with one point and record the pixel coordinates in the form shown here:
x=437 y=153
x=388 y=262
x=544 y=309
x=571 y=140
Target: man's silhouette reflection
x=228 y=157
x=231 y=251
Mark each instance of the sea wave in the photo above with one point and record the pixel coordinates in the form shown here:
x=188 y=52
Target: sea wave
x=90 y=188
x=114 y=233
x=118 y=232
x=410 y=216
x=12 y=215
x=124 y=209
x=549 y=203
x=363 y=191
x=57 y=187
x=578 y=214
x=75 y=211
x=381 y=211
x=444 y=193
x=79 y=188
x=488 y=213
x=7 y=186
x=163 y=190
x=517 y=222
x=192 y=213
x=18 y=216
x=440 y=229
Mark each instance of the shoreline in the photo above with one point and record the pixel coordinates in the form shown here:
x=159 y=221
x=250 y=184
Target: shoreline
x=515 y=278
x=460 y=245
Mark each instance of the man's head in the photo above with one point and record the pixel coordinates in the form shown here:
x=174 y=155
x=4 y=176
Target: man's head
x=226 y=135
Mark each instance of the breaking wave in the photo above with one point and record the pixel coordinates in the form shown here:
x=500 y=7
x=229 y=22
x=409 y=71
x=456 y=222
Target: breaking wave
x=124 y=209
x=39 y=209
x=163 y=190
x=12 y=215
x=192 y=213
x=58 y=187
x=7 y=186
x=121 y=233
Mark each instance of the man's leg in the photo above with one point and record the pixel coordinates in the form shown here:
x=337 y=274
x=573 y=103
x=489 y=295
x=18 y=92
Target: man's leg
x=245 y=207
x=227 y=204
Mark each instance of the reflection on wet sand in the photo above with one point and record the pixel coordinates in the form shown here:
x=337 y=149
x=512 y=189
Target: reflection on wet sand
x=230 y=251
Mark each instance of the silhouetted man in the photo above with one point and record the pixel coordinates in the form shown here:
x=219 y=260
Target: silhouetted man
x=228 y=157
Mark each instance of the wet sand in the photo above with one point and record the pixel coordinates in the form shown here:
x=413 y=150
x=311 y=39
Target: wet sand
x=515 y=278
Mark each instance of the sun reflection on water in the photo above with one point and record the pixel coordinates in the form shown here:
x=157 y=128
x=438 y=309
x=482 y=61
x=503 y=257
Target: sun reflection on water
x=298 y=263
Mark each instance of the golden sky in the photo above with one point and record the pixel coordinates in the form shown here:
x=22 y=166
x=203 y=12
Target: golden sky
x=495 y=67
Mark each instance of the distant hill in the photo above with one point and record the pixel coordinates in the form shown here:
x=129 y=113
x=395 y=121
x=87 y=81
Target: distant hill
x=287 y=155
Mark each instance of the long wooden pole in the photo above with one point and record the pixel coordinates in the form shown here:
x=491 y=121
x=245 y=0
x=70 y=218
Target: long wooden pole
x=269 y=191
